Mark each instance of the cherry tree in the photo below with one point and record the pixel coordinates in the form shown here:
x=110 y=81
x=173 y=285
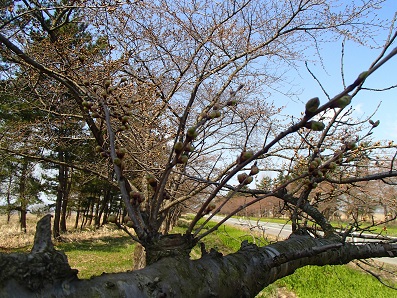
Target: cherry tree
x=178 y=97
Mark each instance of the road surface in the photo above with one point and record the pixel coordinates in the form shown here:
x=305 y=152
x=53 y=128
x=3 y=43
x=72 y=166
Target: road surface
x=282 y=231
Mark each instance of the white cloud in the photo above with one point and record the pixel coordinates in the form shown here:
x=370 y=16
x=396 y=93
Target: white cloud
x=358 y=109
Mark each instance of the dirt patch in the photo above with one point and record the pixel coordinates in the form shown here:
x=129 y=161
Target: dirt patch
x=281 y=292
x=284 y=293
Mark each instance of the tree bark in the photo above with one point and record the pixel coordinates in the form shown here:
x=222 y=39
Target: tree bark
x=65 y=199
x=76 y=223
x=139 y=257
x=22 y=194
x=104 y=208
x=23 y=211
x=60 y=196
x=45 y=272
x=8 y=200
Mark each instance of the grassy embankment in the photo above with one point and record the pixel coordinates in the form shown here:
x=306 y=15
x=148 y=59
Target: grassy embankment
x=388 y=229
x=109 y=250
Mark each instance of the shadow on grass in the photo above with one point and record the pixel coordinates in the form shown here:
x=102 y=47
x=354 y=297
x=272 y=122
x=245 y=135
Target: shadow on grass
x=22 y=249
x=102 y=244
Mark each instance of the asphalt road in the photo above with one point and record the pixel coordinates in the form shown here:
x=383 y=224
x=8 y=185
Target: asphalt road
x=281 y=231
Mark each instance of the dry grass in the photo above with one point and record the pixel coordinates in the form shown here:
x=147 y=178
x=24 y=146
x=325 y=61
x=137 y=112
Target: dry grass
x=12 y=238
x=93 y=234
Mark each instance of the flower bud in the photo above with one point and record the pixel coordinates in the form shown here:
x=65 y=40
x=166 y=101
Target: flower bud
x=241 y=177
x=375 y=124
x=315 y=125
x=104 y=94
x=178 y=147
x=254 y=170
x=313 y=165
x=107 y=83
x=124 y=119
x=121 y=152
x=152 y=181
x=212 y=115
x=245 y=155
x=231 y=102
x=211 y=207
x=117 y=161
x=183 y=159
x=87 y=104
x=343 y=101
x=312 y=106
x=248 y=180
x=191 y=133
x=189 y=148
x=351 y=145
x=332 y=165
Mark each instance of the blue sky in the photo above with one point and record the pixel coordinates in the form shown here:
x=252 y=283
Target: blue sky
x=357 y=58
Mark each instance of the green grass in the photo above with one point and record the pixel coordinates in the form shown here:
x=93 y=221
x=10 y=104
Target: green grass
x=334 y=281
x=95 y=256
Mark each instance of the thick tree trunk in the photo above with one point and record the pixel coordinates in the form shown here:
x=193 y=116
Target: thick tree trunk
x=45 y=272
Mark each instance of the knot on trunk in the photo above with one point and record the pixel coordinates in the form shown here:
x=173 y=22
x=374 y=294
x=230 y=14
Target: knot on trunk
x=43 y=265
x=42 y=238
x=172 y=245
